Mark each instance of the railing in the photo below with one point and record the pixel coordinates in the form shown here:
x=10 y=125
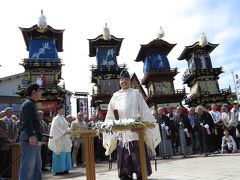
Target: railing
x=179 y=91
x=192 y=72
x=96 y=92
x=205 y=93
x=46 y=87
x=107 y=68
x=191 y=97
x=226 y=91
x=164 y=70
x=176 y=91
x=41 y=60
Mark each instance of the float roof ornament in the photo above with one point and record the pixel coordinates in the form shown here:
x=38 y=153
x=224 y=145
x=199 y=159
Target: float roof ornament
x=202 y=40
x=42 y=23
x=43 y=31
x=106 y=33
x=157 y=45
x=160 y=33
x=104 y=40
x=201 y=44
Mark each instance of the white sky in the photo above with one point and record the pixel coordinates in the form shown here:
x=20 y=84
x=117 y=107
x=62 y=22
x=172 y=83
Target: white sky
x=135 y=21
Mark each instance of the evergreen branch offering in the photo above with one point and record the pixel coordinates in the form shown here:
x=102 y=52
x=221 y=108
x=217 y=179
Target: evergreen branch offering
x=120 y=124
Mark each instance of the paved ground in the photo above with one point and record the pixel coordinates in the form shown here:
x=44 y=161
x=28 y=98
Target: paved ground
x=219 y=167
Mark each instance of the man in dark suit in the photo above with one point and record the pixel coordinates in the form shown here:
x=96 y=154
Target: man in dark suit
x=206 y=125
x=9 y=129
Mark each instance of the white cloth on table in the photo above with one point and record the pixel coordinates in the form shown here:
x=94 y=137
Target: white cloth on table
x=130 y=104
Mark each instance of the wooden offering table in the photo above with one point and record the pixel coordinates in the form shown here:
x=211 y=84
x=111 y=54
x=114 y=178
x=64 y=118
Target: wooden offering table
x=140 y=129
x=16 y=157
x=88 y=138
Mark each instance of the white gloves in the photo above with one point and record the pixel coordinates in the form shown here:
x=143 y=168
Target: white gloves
x=206 y=126
x=163 y=125
x=166 y=128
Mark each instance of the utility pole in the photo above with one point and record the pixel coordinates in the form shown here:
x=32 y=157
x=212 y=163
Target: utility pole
x=234 y=81
x=236 y=84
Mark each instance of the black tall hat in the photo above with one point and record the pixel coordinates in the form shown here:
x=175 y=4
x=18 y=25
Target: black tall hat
x=60 y=106
x=124 y=74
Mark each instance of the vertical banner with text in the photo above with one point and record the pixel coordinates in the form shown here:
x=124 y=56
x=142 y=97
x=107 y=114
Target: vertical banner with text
x=82 y=105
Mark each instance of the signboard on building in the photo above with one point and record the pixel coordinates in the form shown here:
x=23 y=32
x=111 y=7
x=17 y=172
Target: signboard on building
x=82 y=105
x=106 y=56
x=47 y=106
x=42 y=49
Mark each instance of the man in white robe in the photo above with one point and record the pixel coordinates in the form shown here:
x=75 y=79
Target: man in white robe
x=129 y=103
x=60 y=143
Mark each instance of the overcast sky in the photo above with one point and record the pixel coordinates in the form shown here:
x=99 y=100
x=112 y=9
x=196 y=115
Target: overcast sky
x=136 y=21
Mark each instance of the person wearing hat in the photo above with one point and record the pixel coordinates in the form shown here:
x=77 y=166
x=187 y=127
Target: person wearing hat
x=129 y=103
x=60 y=143
x=31 y=134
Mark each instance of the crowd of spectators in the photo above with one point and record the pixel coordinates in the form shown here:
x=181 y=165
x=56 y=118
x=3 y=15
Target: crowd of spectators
x=198 y=130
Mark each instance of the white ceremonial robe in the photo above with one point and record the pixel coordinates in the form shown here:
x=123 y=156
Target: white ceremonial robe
x=130 y=104
x=60 y=141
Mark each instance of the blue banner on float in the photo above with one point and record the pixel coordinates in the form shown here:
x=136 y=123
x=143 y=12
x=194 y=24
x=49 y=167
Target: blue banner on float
x=40 y=49
x=155 y=61
x=106 y=56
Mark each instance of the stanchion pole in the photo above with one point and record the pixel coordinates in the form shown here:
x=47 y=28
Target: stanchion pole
x=142 y=154
x=88 y=137
x=91 y=158
x=16 y=156
x=140 y=129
